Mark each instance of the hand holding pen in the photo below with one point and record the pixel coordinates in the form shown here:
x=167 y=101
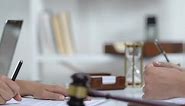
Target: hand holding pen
x=9 y=89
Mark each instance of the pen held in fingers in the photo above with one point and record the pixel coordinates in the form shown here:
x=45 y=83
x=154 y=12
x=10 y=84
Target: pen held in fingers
x=17 y=70
x=161 y=50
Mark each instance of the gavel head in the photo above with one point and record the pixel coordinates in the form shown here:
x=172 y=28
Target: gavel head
x=78 y=89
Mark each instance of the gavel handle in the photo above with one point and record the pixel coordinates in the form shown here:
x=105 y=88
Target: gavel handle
x=131 y=100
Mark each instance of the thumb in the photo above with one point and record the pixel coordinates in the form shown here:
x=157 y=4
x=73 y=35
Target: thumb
x=18 y=97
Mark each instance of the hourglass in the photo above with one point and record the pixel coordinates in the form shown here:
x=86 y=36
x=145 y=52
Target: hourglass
x=134 y=64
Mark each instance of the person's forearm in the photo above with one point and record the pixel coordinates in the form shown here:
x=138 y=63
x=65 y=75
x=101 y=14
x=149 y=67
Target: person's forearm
x=25 y=89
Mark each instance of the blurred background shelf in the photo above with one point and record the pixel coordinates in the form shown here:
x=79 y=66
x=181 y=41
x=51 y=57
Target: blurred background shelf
x=149 y=48
x=75 y=58
x=94 y=23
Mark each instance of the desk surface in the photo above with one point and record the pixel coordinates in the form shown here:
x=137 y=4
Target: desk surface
x=129 y=92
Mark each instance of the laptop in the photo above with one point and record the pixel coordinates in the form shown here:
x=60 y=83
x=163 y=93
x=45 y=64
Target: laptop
x=8 y=44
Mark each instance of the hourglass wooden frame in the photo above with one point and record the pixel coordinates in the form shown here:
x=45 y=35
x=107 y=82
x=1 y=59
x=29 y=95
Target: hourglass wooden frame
x=134 y=45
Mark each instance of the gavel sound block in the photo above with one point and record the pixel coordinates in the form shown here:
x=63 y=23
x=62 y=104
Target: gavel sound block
x=107 y=82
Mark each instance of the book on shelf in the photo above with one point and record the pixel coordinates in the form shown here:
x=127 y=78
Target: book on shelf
x=65 y=27
x=55 y=36
x=62 y=33
x=45 y=34
x=58 y=35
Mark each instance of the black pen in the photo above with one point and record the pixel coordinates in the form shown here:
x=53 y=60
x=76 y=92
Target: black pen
x=17 y=70
x=161 y=50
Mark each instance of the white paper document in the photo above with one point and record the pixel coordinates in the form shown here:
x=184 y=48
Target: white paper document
x=93 y=102
x=37 y=102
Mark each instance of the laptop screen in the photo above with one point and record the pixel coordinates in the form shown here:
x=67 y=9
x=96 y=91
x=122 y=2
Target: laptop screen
x=8 y=43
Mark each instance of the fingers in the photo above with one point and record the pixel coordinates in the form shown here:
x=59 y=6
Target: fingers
x=5 y=92
x=57 y=89
x=52 y=92
x=164 y=64
x=3 y=101
x=51 y=96
x=18 y=97
x=8 y=88
x=167 y=65
x=14 y=87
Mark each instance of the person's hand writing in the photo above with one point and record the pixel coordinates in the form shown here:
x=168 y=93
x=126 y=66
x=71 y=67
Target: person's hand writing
x=8 y=90
x=42 y=91
x=162 y=82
